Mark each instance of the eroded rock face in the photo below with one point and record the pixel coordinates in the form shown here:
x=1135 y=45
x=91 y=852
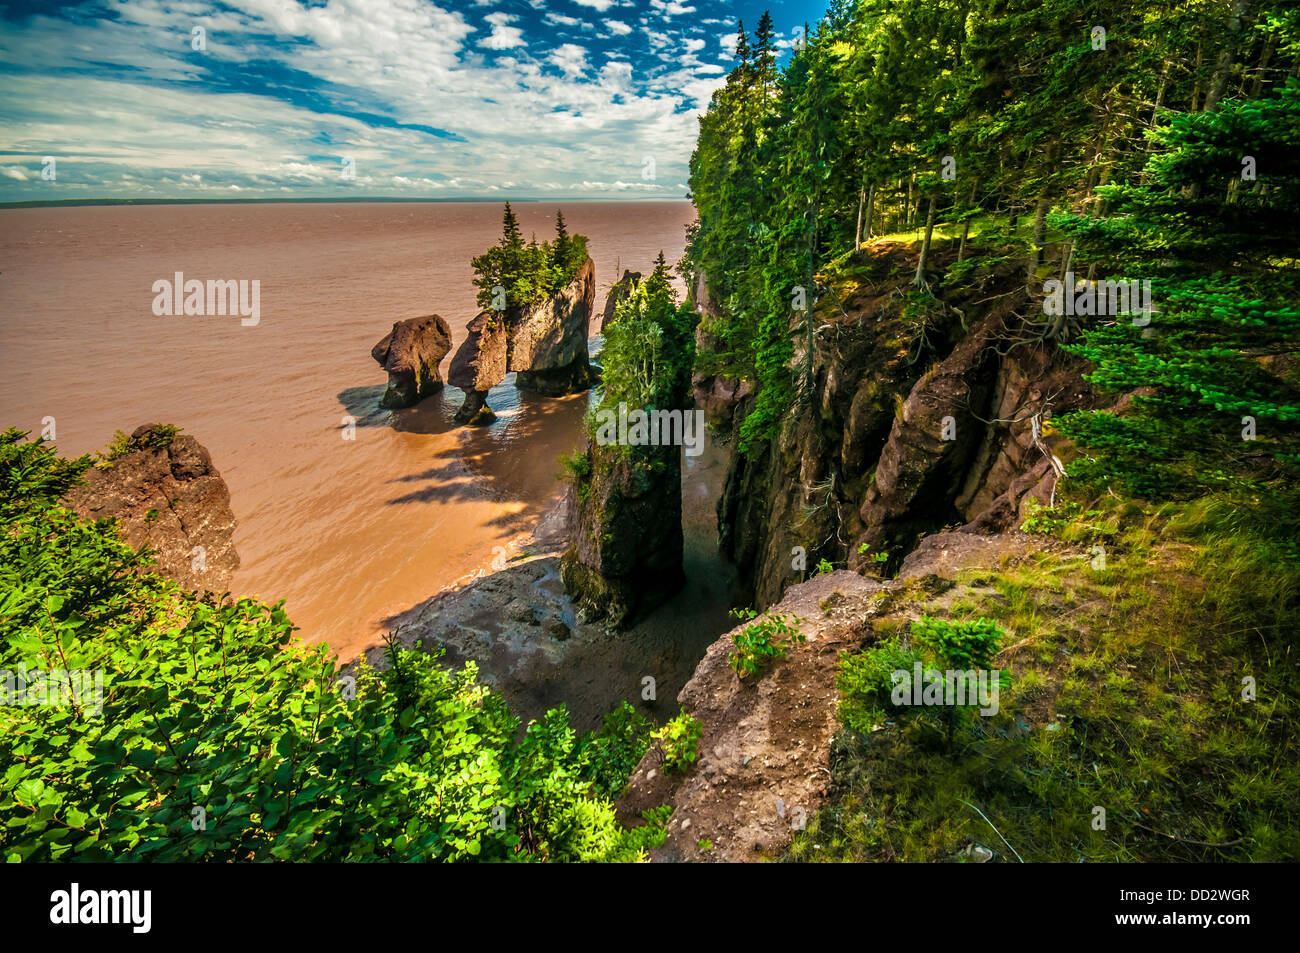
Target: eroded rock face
x=618 y=293
x=548 y=340
x=479 y=365
x=545 y=343
x=172 y=499
x=411 y=353
x=911 y=427
x=626 y=556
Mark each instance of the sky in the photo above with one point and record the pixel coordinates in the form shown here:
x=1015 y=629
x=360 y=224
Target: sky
x=418 y=99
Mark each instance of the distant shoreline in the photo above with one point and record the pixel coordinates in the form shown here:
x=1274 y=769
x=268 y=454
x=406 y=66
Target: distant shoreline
x=367 y=200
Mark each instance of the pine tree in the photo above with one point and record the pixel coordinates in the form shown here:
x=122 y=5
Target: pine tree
x=511 y=236
x=562 y=250
x=765 y=53
x=742 y=71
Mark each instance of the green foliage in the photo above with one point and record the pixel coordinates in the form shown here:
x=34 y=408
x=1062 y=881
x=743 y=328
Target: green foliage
x=759 y=643
x=527 y=271
x=157 y=437
x=649 y=347
x=867 y=680
x=1132 y=698
x=1048 y=520
x=823 y=566
x=613 y=752
x=679 y=742
x=217 y=738
x=1221 y=257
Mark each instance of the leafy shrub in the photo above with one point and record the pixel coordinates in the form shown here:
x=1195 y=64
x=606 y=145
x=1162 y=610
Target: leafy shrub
x=679 y=741
x=157 y=437
x=770 y=638
x=217 y=738
x=614 y=751
x=866 y=680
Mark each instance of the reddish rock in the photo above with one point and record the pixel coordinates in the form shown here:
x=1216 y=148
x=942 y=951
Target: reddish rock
x=618 y=293
x=174 y=500
x=411 y=353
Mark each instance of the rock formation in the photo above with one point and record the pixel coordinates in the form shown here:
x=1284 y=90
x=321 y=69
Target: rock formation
x=411 y=353
x=545 y=343
x=479 y=365
x=626 y=556
x=716 y=394
x=171 y=498
x=620 y=292
x=913 y=423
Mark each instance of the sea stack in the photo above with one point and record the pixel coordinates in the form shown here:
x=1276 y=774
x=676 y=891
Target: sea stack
x=618 y=293
x=411 y=353
x=545 y=343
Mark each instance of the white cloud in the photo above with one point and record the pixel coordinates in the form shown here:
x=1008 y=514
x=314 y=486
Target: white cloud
x=134 y=101
x=600 y=6
x=670 y=8
x=570 y=58
x=503 y=37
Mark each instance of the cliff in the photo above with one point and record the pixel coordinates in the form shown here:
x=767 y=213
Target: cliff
x=914 y=415
x=165 y=493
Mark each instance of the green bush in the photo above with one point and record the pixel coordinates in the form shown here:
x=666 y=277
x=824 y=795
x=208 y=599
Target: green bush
x=757 y=644
x=679 y=742
x=866 y=680
x=217 y=738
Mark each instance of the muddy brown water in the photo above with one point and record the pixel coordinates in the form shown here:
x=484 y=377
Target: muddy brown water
x=351 y=533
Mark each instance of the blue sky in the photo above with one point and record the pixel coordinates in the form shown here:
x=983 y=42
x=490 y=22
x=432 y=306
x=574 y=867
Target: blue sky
x=426 y=98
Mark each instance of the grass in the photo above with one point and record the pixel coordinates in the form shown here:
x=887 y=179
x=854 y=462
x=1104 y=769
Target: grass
x=1126 y=694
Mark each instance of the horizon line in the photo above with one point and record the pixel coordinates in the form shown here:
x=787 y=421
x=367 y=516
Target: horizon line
x=376 y=199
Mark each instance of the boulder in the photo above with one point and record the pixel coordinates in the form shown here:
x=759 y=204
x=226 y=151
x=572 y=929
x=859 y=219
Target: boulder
x=170 y=498
x=411 y=353
x=620 y=292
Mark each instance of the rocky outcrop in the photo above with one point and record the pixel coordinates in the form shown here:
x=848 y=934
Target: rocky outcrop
x=479 y=365
x=619 y=292
x=167 y=494
x=917 y=419
x=411 y=353
x=765 y=755
x=626 y=556
x=548 y=340
x=765 y=749
x=545 y=343
x=716 y=394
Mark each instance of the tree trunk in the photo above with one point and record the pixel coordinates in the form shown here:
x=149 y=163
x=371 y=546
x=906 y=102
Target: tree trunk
x=919 y=280
x=857 y=235
x=1224 y=66
x=965 y=228
x=871 y=209
x=1040 y=232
